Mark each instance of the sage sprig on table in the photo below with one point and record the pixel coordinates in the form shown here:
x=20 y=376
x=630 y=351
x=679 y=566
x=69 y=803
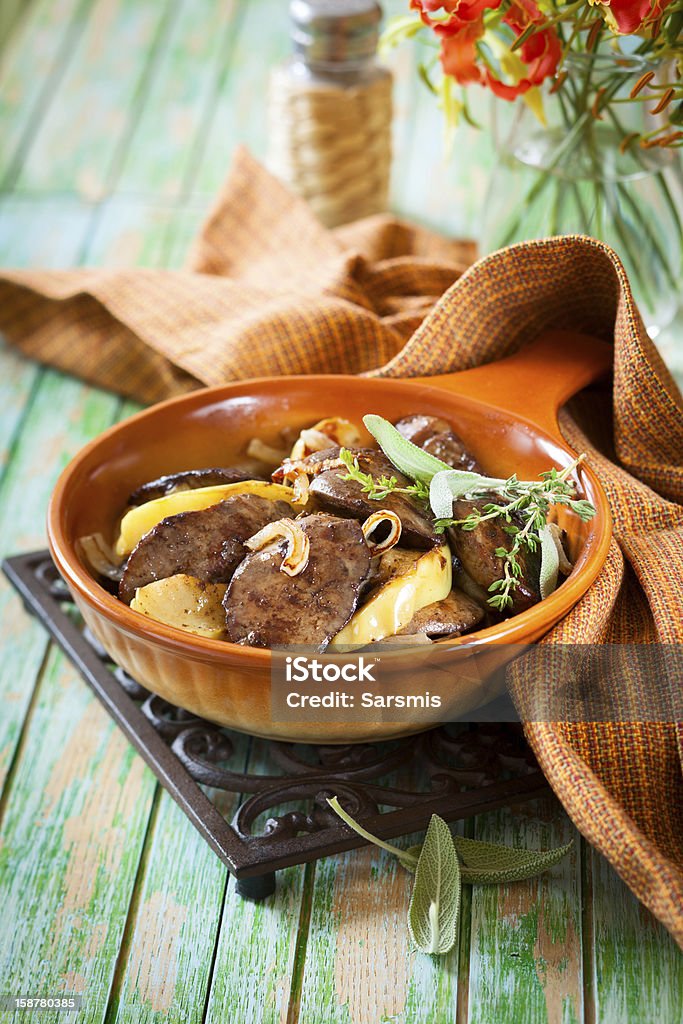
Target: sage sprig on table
x=435 y=901
x=523 y=505
x=441 y=864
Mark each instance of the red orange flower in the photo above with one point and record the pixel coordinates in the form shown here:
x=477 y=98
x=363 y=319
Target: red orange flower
x=459 y=54
x=540 y=53
x=452 y=15
x=630 y=15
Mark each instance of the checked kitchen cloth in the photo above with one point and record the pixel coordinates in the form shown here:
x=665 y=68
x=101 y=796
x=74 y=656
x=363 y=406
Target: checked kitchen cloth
x=268 y=290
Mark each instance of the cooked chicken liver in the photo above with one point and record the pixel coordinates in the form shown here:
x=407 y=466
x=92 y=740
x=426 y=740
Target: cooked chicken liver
x=419 y=428
x=346 y=497
x=437 y=437
x=456 y=614
x=208 y=544
x=476 y=551
x=186 y=481
x=451 y=449
x=267 y=608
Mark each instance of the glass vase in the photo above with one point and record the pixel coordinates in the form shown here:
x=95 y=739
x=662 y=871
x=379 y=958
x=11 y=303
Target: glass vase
x=584 y=171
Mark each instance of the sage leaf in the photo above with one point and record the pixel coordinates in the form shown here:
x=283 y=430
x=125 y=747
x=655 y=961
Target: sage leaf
x=550 y=562
x=413 y=855
x=445 y=483
x=405 y=857
x=435 y=902
x=492 y=864
x=439 y=874
x=454 y=483
x=406 y=456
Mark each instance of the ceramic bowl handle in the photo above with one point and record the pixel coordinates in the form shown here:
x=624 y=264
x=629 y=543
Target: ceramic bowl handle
x=536 y=381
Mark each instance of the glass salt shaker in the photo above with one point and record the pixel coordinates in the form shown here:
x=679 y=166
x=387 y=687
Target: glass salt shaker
x=330 y=109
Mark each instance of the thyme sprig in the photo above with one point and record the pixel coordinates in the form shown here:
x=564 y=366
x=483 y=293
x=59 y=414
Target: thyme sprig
x=529 y=503
x=377 y=488
x=523 y=506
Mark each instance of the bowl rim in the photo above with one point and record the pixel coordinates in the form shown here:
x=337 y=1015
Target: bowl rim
x=82 y=585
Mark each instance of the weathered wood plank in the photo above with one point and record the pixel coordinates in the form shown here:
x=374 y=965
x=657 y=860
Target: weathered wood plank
x=254 y=963
x=130 y=232
x=51 y=233
x=359 y=963
x=637 y=967
x=83 y=952
x=255 y=955
x=185 y=227
x=17 y=379
x=72 y=831
x=33 y=59
x=134 y=231
x=46 y=443
x=29 y=231
x=42 y=231
x=260 y=39
x=167 y=952
x=89 y=116
x=525 y=953
x=180 y=98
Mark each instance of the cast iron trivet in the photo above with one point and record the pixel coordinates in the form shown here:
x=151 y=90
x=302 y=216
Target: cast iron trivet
x=462 y=770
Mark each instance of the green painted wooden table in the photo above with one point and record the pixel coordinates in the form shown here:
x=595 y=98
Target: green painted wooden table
x=118 y=118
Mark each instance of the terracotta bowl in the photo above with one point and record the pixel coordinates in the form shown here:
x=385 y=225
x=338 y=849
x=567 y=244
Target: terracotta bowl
x=506 y=413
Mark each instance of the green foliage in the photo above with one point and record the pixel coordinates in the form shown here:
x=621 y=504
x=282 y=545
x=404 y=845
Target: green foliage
x=378 y=488
x=406 y=456
x=550 y=563
x=523 y=505
x=435 y=901
x=441 y=864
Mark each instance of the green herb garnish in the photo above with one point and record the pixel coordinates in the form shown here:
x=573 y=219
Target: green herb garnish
x=524 y=505
x=377 y=488
x=441 y=864
x=529 y=503
x=435 y=901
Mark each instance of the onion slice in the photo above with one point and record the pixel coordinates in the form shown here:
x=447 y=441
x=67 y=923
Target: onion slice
x=371 y=524
x=300 y=484
x=298 y=544
x=290 y=467
x=100 y=556
x=257 y=449
x=327 y=433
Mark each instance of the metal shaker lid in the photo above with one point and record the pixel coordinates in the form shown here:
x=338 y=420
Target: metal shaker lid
x=331 y=31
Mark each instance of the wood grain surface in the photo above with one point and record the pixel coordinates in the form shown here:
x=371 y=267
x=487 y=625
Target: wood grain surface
x=117 y=120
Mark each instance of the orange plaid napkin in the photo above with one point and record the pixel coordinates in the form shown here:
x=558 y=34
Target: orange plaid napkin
x=268 y=290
